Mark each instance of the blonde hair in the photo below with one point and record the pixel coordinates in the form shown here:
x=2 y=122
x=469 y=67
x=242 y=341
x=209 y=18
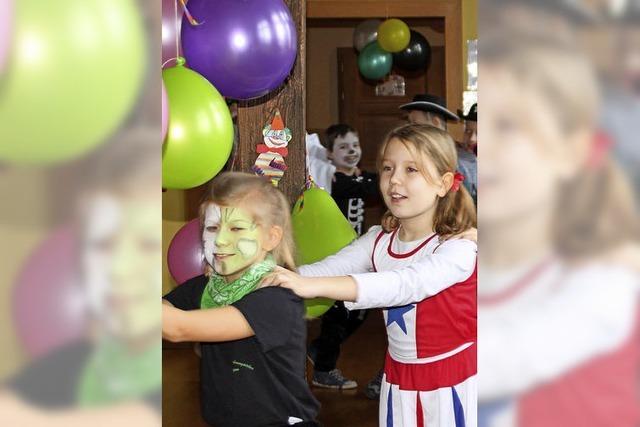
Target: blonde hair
x=267 y=204
x=455 y=212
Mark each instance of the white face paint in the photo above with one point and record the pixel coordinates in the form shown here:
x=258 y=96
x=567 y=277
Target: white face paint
x=346 y=151
x=211 y=219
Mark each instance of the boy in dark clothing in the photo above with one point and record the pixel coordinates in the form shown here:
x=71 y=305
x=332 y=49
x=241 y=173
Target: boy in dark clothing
x=350 y=188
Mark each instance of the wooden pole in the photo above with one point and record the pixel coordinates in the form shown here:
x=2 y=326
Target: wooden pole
x=290 y=100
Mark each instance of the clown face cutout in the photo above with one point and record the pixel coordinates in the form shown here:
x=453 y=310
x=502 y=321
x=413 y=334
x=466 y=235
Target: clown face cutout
x=346 y=151
x=232 y=240
x=276 y=135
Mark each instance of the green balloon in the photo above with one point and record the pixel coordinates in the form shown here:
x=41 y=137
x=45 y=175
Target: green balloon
x=74 y=73
x=200 y=135
x=373 y=62
x=316 y=214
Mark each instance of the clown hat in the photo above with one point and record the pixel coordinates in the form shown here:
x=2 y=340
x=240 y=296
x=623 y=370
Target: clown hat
x=277 y=123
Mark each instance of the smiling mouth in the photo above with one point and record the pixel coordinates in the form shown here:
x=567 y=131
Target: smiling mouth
x=222 y=257
x=351 y=159
x=397 y=197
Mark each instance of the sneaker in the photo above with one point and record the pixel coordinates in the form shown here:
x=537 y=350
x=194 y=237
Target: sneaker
x=372 y=391
x=312 y=353
x=332 y=379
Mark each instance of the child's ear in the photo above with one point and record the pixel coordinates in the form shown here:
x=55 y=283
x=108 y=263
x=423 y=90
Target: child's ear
x=273 y=238
x=447 y=182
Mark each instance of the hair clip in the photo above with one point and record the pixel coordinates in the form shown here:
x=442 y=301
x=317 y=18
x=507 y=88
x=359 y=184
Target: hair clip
x=457 y=180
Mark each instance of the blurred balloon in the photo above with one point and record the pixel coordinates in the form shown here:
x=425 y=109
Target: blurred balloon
x=245 y=48
x=169 y=25
x=416 y=56
x=165 y=112
x=365 y=33
x=200 y=134
x=185 y=256
x=373 y=62
x=47 y=302
x=6 y=27
x=316 y=214
x=73 y=76
x=393 y=35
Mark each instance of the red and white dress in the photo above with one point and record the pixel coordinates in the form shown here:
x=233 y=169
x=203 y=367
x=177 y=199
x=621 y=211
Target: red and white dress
x=560 y=345
x=428 y=291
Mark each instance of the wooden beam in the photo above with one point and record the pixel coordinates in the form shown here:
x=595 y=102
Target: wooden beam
x=379 y=8
x=290 y=100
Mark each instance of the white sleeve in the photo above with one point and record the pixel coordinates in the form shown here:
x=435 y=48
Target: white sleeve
x=353 y=258
x=453 y=262
x=592 y=313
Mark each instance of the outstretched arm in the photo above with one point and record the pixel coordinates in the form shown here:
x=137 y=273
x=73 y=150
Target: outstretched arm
x=453 y=262
x=210 y=325
x=353 y=258
x=342 y=288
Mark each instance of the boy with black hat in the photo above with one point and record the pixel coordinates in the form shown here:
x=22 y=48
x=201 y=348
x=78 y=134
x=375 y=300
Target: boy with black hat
x=470 y=137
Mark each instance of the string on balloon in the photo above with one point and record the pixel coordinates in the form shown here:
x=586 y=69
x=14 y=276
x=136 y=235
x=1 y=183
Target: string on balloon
x=191 y=20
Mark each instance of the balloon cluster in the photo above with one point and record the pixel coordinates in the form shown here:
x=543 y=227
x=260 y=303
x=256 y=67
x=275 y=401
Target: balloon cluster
x=233 y=49
x=382 y=44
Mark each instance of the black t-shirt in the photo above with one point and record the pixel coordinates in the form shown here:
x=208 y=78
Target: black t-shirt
x=350 y=193
x=52 y=381
x=260 y=380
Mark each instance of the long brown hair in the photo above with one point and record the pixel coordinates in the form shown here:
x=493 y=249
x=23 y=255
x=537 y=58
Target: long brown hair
x=595 y=209
x=455 y=212
x=267 y=204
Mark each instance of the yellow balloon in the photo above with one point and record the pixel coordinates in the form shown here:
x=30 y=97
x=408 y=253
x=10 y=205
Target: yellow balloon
x=393 y=35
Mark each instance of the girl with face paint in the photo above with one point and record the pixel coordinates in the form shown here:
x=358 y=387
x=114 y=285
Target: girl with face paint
x=252 y=340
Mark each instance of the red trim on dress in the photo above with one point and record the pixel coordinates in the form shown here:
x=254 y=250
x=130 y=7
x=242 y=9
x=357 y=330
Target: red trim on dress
x=373 y=262
x=419 y=413
x=431 y=376
x=516 y=288
x=408 y=254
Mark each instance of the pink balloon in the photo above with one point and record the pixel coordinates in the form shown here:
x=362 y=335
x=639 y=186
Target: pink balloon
x=185 y=257
x=47 y=301
x=169 y=30
x=6 y=27
x=165 y=112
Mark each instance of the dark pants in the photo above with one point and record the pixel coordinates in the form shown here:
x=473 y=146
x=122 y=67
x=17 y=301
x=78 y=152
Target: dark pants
x=338 y=324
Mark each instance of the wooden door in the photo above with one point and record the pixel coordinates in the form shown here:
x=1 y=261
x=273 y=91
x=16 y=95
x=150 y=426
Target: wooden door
x=373 y=116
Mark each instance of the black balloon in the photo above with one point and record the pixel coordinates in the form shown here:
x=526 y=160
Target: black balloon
x=417 y=56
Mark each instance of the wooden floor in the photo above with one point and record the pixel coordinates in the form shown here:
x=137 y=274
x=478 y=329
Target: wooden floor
x=361 y=358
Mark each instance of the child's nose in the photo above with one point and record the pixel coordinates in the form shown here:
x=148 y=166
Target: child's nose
x=395 y=177
x=221 y=240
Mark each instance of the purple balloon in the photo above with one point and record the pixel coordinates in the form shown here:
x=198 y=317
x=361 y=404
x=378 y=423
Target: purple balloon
x=165 y=112
x=245 y=48
x=47 y=302
x=169 y=34
x=6 y=27
x=185 y=256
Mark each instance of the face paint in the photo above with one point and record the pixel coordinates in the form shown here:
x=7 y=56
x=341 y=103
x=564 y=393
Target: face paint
x=123 y=244
x=346 y=151
x=231 y=240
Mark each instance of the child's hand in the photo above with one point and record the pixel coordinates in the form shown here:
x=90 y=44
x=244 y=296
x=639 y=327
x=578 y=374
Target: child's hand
x=300 y=285
x=470 y=234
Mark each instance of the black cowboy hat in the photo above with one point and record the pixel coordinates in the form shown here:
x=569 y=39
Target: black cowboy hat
x=472 y=115
x=430 y=104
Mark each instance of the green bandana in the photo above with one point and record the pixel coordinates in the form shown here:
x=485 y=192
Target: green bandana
x=219 y=293
x=113 y=374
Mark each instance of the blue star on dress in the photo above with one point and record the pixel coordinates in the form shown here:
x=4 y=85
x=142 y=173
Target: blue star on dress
x=396 y=314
